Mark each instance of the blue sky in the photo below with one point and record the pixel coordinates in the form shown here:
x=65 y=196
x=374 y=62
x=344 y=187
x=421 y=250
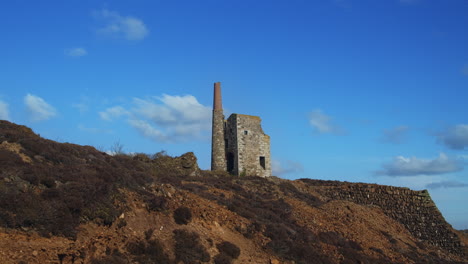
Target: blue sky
x=360 y=91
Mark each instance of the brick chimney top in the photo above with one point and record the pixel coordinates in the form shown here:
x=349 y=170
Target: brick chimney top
x=217 y=102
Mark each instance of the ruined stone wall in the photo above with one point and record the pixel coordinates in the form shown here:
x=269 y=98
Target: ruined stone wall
x=414 y=209
x=232 y=151
x=253 y=147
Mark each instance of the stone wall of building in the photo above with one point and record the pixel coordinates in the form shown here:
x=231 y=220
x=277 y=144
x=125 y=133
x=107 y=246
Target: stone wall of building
x=232 y=150
x=414 y=209
x=249 y=145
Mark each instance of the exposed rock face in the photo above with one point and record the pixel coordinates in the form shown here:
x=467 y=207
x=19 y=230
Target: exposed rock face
x=188 y=163
x=184 y=165
x=414 y=209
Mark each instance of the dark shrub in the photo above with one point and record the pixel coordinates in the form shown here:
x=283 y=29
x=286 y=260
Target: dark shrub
x=378 y=250
x=332 y=238
x=49 y=182
x=229 y=249
x=136 y=248
x=114 y=257
x=31 y=178
x=50 y=194
x=182 y=215
x=188 y=247
x=121 y=223
x=354 y=245
x=222 y=259
x=148 y=252
x=149 y=233
x=157 y=203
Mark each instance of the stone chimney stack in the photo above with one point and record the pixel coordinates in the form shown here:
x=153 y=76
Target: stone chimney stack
x=218 y=151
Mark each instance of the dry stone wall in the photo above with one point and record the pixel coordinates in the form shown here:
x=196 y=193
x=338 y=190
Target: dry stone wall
x=414 y=209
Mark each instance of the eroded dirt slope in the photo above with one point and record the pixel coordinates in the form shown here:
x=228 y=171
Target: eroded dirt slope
x=73 y=204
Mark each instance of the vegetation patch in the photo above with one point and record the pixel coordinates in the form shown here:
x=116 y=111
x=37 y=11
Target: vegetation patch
x=148 y=251
x=188 y=247
x=182 y=215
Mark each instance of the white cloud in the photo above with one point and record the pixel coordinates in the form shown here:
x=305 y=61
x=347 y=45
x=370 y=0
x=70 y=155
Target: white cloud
x=446 y=184
x=178 y=116
x=401 y=166
x=279 y=169
x=39 y=109
x=148 y=130
x=126 y=27
x=395 y=135
x=323 y=124
x=4 y=112
x=166 y=119
x=76 y=52
x=455 y=137
x=113 y=113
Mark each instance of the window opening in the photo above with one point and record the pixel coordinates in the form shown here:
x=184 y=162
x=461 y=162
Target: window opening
x=262 y=162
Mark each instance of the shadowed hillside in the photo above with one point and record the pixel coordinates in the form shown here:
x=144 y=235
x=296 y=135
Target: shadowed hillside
x=65 y=203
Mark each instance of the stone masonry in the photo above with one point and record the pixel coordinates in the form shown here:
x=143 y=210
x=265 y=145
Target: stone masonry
x=218 y=151
x=414 y=209
x=239 y=145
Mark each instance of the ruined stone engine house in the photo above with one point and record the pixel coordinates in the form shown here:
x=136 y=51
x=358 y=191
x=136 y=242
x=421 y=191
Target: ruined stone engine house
x=239 y=145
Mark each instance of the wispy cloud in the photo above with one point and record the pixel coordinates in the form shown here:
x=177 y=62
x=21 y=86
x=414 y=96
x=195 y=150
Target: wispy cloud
x=446 y=184
x=396 y=135
x=147 y=130
x=38 y=109
x=401 y=166
x=115 y=25
x=4 y=112
x=278 y=168
x=166 y=119
x=464 y=70
x=76 y=52
x=113 y=113
x=323 y=124
x=455 y=137
x=83 y=105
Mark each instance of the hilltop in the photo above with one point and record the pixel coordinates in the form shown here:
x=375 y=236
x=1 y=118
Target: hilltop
x=65 y=203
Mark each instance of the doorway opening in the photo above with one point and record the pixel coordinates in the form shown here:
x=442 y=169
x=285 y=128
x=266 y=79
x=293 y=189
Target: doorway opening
x=230 y=162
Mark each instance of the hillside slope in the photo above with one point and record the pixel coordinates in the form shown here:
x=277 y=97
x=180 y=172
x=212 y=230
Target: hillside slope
x=65 y=203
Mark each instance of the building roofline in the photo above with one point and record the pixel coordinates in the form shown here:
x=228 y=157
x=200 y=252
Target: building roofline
x=248 y=116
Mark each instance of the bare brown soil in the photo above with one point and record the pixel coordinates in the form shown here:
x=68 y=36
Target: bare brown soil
x=54 y=209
